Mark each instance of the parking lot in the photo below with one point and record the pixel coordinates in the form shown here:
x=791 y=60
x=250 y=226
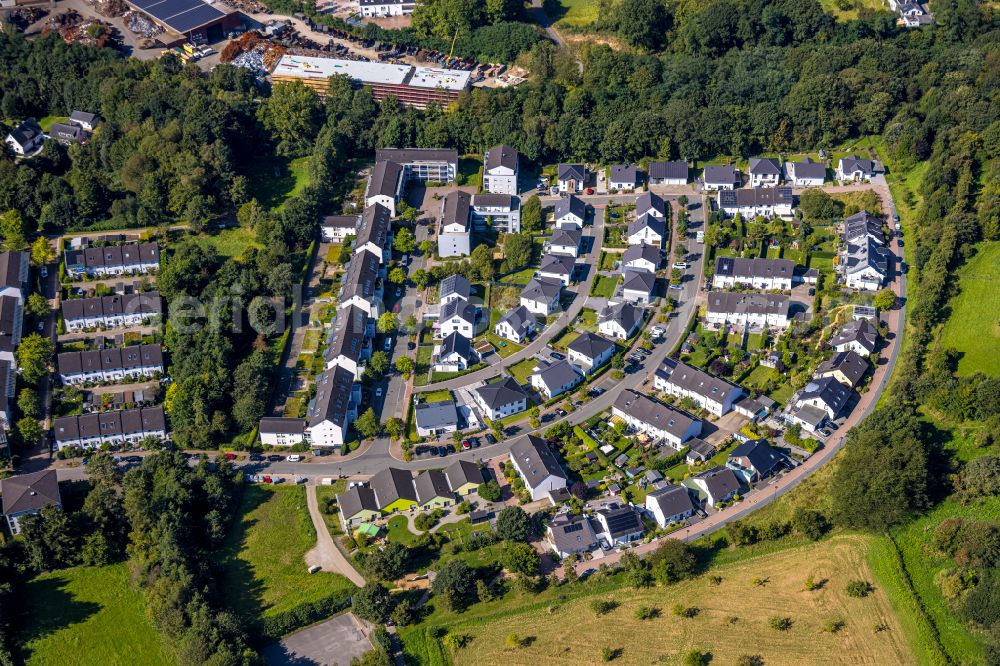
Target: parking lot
x=336 y=641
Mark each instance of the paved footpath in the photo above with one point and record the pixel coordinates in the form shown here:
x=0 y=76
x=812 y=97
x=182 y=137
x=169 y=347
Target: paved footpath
x=326 y=554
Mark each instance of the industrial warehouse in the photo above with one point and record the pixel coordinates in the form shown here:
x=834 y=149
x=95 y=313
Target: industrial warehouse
x=413 y=86
x=189 y=20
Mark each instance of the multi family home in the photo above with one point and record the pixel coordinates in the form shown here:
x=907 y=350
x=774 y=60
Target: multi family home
x=107 y=260
x=423 y=165
x=555 y=378
x=110 y=365
x=357 y=505
x=464 y=477
x=757 y=273
x=624 y=177
x=537 y=465
x=668 y=173
x=847 y=367
x=764 y=172
x=864 y=264
x=589 y=351
x=669 y=504
x=335 y=228
x=502 y=212
x=500 y=399
x=517 y=325
x=565 y=241
x=500 y=168
x=742 y=309
x=433 y=491
x=720 y=177
x=385 y=186
x=570 y=213
x=112 y=311
x=755 y=460
x=14 y=274
x=384 y=8
x=541 y=296
x=655 y=418
x=709 y=392
x=855 y=168
x=618 y=524
x=348 y=344
x=454 y=354
x=620 y=321
x=334 y=408
x=26 y=138
x=641 y=258
x=857 y=335
x=281 y=431
x=362 y=284
x=571 y=178
x=454 y=236
x=457 y=316
x=714 y=486
x=454 y=287
x=805 y=173
x=128 y=426
x=375 y=232
x=825 y=394
x=757 y=201
x=557 y=267
x=437 y=418
x=27 y=494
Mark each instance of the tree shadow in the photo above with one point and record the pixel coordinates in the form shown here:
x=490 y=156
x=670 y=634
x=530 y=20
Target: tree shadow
x=60 y=610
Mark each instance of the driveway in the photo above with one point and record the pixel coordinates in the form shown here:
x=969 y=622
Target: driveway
x=325 y=554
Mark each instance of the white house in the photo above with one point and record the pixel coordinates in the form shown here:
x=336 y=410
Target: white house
x=565 y=241
x=25 y=138
x=742 y=309
x=517 y=325
x=279 y=431
x=764 y=172
x=757 y=273
x=500 y=399
x=620 y=321
x=766 y=201
x=720 y=177
x=571 y=178
x=454 y=236
x=383 y=8
x=362 y=286
x=636 y=287
x=385 y=185
x=501 y=211
x=336 y=228
x=669 y=504
x=552 y=379
x=864 y=265
x=457 y=316
x=858 y=335
x=454 y=354
x=557 y=267
x=709 y=392
x=570 y=212
x=641 y=258
x=375 y=233
x=853 y=167
x=537 y=466
x=668 y=173
x=85 y=121
x=436 y=418
x=826 y=394
x=500 y=168
x=805 y=173
x=648 y=203
x=334 y=408
x=541 y=296
x=618 y=525
x=454 y=287
x=715 y=486
x=26 y=494
x=647 y=230
x=589 y=351
x=424 y=165
x=624 y=177
x=656 y=419
x=348 y=344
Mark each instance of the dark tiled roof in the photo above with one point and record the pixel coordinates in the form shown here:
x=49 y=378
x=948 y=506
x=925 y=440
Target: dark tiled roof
x=764 y=166
x=668 y=170
x=462 y=472
x=392 y=484
x=430 y=485
x=281 y=425
x=570 y=171
x=455 y=284
x=755 y=196
x=384 y=179
x=501 y=156
x=411 y=155
x=503 y=392
x=570 y=205
x=333 y=397
x=590 y=345
x=695 y=380
x=376 y=223
x=756 y=267
x=347 y=337
x=718 y=174
x=30 y=492
x=535 y=459
x=654 y=413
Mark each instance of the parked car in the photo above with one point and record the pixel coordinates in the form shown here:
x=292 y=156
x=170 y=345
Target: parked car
x=294 y=458
x=230 y=456
x=561 y=412
x=411 y=345
x=676 y=286
x=557 y=356
x=388 y=344
x=45 y=271
x=490 y=438
x=256 y=457
x=466 y=444
x=443 y=451
x=378 y=392
x=399 y=292
x=680 y=264
x=274 y=458
x=824 y=432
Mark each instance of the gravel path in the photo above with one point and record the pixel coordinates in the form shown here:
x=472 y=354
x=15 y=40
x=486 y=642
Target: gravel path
x=326 y=554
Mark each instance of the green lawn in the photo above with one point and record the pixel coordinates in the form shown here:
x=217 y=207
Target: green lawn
x=88 y=615
x=974 y=327
x=311 y=339
x=603 y=287
x=782 y=394
x=609 y=259
x=847 y=10
x=586 y=320
x=577 y=13
x=47 y=122
x=520 y=277
x=273 y=182
x=232 y=242
x=262 y=559
x=399 y=531
x=436 y=396
x=521 y=371
x=504 y=347
x=324 y=493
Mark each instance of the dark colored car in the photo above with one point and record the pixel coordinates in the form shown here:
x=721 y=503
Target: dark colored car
x=256 y=457
x=443 y=451
x=490 y=438
x=411 y=345
x=274 y=458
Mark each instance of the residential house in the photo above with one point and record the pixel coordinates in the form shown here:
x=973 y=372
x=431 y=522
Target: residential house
x=500 y=169
x=454 y=236
x=14 y=274
x=757 y=273
x=280 y=431
x=855 y=168
x=557 y=267
x=109 y=260
x=375 y=233
x=112 y=311
x=669 y=504
x=336 y=228
x=434 y=419
x=565 y=241
x=647 y=229
x=348 y=344
x=394 y=490
x=537 y=465
x=517 y=325
x=457 y=316
x=826 y=394
x=334 y=408
x=110 y=365
x=589 y=351
x=552 y=379
x=847 y=367
x=357 y=505
x=570 y=213
x=746 y=309
x=26 y=138
x=8 y=376
x=11 y=315
x=755 y=460
x=699 y=451
x=26 y=494
x=862 y=226
x=758 y=201
x=500 y=399
x=454 y=287
x=624 y=178
x=651 y=204
x=636 y=287
x=764 y=172
x=424 y=165
x=655 y=418
x=433 y=491
x=67 y=134
x=709 y=392
x=384 y=8
x=714 y=486
x=570 y=534
x=571 y=178
x=362 y=284
x=620 y=321
x=641 y=258
x=857 y=335
x=385 y=186
x=805 y=173
x=454 y=354
x=541 y=296
x=864 y=265
x=720 y=177
x=619 y=524
x=464 y=477
x=115 y=428
x=85 y=121
x=668 y=173
x=502 y=212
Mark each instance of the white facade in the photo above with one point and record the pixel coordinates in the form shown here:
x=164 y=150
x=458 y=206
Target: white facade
x=383 y=8
x=501 y=178
x=646 y=236
x=570 y=221
x=385 y=200
x=718 y=403
x=663 y=520
x=457 y=324
x=500 y=411
x=657 y=432
x=504 y=330
x=753 y=319
x=455 y=243
x=540 y=307
x=282 y=438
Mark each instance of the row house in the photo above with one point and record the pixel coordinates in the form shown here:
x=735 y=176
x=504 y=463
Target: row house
x=110 y=365
x=128 y=426
x=112 y=311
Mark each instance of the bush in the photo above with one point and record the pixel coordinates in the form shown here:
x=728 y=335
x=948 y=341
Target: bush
x=603 y=606
x=859 y=589
x=610 y=653
x=780 y=623
x=833 y=626
x=750 y=660
x=275 y=626
x=646 y=613
x=490 y=491
x=697 y=658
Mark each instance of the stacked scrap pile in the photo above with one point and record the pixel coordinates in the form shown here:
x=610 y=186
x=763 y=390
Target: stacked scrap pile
x=140 y=24
x=109 y=8
x=253 y=52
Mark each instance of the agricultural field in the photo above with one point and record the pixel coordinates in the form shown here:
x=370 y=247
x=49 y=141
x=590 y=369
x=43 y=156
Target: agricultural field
x=733 y=617
x=91 y=611
x=262 y=558
x=973 y=327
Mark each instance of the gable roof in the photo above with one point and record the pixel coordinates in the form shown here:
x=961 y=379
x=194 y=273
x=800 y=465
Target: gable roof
x=720 y=481
x=462 y=472
x=535 y=460
x=361 y=277
x=641 y=252
x=849 y=363
x=590 y=345
x=30 y=492
x=755 y=267
x=26 y=132
x=829 y=391
x=764 y=166
x=571 y=205
x=809 y=169
x=384 y=179
x=347 y=336
x=861 y=331
x=759 y=454
x=13 y=264
x=559 y=264
x=853 y=163
x=672 y=500
x=625 y=314
x=695 y=380
x=83 y=117
x=410 y=155
x=455 y=285
x=391 y=484
x=501 y=156
x=568 y=171
x=720 y=174
x=755 y=196
x=542 y=290
x=430 y=485
x=456 y=209
x=566 y=237
x=460 y=308
x=654 y=413
x=436 y=414
x=668 y=170
x=624 y=173
x=282 y=425
x=333 y=397
x=732 y=302
x=357 y=499
x=861 y=225
x=621 y=520
x=641 y=281
x=503 y=392
x=519 y=319
x=650 y=221
x=648 y=201
x=456 y=343
x=570 y=533
x=376 y=222
x=559 y=374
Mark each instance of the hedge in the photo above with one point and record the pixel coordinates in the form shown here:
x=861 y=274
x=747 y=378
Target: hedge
x=274 y=627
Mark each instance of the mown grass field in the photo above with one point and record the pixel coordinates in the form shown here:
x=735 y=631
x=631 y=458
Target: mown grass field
x=88 y=611
x=273 y=183
x=265 y=572
x=974 y=325
x=230 y=243
x=732 y=619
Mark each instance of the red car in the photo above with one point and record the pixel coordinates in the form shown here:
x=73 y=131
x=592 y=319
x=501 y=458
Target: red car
x=590 y=190
x=230 y=456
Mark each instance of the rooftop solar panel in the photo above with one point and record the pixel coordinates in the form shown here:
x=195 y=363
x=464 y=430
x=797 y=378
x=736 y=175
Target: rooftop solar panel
x=180 y=15
x=193 y=18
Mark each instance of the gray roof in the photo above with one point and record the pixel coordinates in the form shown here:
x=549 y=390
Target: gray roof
x=648 y=201
x=430 y=485
x=333 y=397
x=720 y=481
x=559 y=264
x=811 y=415
x=384 y=179
x=456 y=343
x=621 y=520
x=341 y=221
x=535 y=459
x=281 y=425
x=590 y=345
x=568 y=237
x=84 y=117
x=647 y=220
x=655 y=413
x=672 y=500
x=412 y=155
x=9 y=322
x=757 y=267
x=30 y=492
x=755 y=196
x=456 y=208
x=809 y=169
x=568 y=171
x=347 y=337
x=735 y=302
x=853 y=163
x=861 y=331
x=26 y=132
x=863 y=224
x=503 y=392
x=438 y=414
x=719 y=174
x=462 y=472
x=626 y=314
x=455 y=284
x=559 y=374
x=361 y=277
x=460 y=308
x=866 y=254
x=135 y=356
x=570 y=205
x=492 y=200
x=828 y=390
x=642 y=251
x=700 y=448
x=572 y=533
x=624 y=173
x=12 y=263
x=543 y=290
x=67 y=132
x=391 y=484
x=376 y=223
x=357 y=499
x=765 y=166
x=519 y=319
x=759 y=454
x=695 y=380
x=640 y=281
x=501 y=156
x=671 y=170
x=852 y=365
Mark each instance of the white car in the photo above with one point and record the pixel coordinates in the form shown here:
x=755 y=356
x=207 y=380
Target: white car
x=657 y=331
x=294 y=458
x=681 y=265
